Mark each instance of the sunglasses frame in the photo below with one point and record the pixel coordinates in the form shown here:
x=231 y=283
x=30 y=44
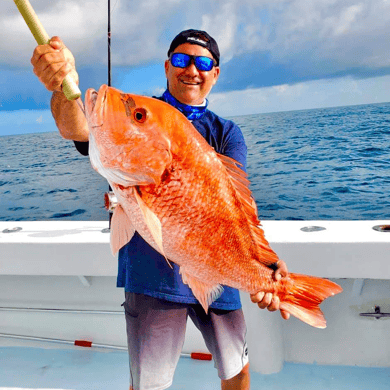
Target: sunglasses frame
x=194 y=60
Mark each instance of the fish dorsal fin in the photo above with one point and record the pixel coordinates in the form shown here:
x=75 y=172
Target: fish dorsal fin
x=204 y=292
x=153 y=224
x=241 y=183
x=122 y=230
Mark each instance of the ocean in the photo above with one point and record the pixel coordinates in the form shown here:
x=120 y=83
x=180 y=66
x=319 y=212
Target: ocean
x=319 y=164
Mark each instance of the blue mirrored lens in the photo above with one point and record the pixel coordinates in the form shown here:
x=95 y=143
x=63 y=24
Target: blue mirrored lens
x=180 y=60
x=204 y=63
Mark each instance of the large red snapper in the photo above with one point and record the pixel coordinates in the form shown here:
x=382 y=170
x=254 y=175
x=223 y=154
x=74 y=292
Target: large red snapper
x=191 y=204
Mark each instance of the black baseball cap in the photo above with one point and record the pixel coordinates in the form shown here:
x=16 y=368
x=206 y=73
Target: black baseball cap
x=196 y=37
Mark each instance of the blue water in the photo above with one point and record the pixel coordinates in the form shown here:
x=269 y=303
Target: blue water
x=331 y=163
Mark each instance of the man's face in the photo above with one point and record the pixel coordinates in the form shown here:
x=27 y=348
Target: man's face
x=190 y=85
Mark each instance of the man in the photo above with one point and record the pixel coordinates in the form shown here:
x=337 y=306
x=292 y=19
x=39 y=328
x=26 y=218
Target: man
x=157 y=301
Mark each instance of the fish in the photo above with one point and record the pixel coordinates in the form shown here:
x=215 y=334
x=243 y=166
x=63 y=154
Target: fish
x=191 y=204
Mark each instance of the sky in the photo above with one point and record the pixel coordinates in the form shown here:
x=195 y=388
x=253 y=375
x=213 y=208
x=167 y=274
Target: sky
x=276 y=55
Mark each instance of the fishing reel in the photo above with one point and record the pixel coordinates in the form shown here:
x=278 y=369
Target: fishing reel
x=110 y=201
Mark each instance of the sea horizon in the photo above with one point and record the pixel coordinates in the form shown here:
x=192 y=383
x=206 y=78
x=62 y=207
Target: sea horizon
x=47 y=119
x=312 y=164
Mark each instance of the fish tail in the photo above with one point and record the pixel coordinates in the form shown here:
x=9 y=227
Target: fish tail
x=304 y=295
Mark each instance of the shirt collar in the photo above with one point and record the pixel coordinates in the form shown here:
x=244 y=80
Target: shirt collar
x=191 y=112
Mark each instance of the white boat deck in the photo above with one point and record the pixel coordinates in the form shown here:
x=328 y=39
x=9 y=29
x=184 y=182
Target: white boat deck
x=79 y=368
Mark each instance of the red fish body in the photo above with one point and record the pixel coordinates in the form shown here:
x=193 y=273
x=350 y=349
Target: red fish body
x=189 y=203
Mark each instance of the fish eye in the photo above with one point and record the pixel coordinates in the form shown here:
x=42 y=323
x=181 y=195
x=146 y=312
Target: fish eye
x=140 y=115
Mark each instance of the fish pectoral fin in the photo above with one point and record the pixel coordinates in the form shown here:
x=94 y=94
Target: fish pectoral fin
x=122 y=230
x=153 y=224
x=205 y=293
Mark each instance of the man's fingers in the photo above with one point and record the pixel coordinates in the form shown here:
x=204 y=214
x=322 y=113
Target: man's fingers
x=285 y=315
x=56 y=43
x=46 y=60
x=274 y=305
x=281 y=271
x=269 y=301
x=39 y=52
x=57 y=79
x=257 y=297
x=261 y=298
x=52 y=63
x=266 y=301
x=53 y=75
x=50 y=67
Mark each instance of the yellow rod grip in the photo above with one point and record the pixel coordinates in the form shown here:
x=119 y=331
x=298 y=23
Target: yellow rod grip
x=69 y=87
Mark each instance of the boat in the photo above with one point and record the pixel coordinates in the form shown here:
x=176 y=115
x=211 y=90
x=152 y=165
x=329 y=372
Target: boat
x=58 y=278
x=62 y=324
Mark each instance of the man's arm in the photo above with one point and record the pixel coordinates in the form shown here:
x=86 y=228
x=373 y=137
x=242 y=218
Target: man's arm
x=69 y=117
x=52 y=63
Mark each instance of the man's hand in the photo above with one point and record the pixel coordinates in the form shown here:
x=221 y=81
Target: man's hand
x=52 y=63
x=267 y=300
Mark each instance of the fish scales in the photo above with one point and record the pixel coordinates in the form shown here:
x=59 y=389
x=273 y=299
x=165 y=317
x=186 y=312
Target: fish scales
x=202 y=208
x=189 y=203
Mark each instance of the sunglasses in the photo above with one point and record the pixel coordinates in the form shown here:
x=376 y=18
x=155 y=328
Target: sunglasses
x=181 y=60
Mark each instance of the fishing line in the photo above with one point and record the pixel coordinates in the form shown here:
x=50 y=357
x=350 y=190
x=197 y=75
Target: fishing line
x=110 y=11
x=117 y=1
x=109 y=43
x=81 y=105
x=110 y=213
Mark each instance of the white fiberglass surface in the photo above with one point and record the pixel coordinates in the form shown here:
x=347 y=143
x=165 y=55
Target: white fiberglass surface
x=80 y=368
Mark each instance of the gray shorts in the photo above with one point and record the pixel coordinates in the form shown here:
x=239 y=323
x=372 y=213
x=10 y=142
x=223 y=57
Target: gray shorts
x=156 y=332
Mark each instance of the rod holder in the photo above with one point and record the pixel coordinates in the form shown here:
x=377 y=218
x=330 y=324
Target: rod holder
x=382 y=228
x=13 y=230
x=378 y=314
x=310 y=229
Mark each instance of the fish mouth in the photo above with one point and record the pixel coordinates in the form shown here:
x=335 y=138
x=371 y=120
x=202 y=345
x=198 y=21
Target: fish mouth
x=93 y=96
x=90 y=100
x=94 y=103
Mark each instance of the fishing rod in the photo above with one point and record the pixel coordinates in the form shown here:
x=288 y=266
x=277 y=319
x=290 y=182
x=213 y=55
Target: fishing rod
x=109 y=197
x=69 y=87
x=109 y=42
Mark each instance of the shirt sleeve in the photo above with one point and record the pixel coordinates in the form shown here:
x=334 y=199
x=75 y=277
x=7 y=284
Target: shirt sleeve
x=82 y=147
x=234 y=145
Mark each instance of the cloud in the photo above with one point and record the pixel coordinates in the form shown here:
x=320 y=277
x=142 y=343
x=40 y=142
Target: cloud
x=347 y=18
x=263 y=43
x=346 y=34
x=306 y=95
x=79 y=24
x=222 y=25
x=26 y=121
x=142 y=31
x=137 y=29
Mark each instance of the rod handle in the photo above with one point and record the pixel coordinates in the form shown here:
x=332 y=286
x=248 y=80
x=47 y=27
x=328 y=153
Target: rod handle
x=69 y=87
